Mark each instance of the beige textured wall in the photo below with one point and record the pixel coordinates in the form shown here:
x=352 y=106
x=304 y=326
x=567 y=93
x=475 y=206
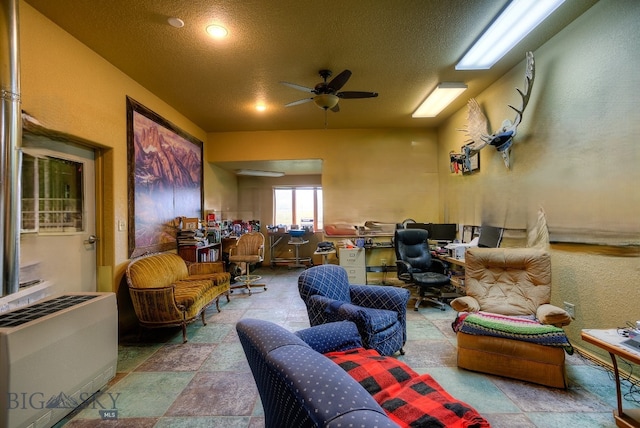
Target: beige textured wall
x=576 y=152
x=220 y=189
x=576 y=155
x=367 y=174
x=71 y=89
x=256 y=203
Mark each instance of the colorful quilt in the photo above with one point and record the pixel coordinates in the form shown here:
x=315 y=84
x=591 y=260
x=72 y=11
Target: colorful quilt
x=410 y=399
x=488 y=324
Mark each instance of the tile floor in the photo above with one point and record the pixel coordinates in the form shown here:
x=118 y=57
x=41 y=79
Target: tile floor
x=207 y=381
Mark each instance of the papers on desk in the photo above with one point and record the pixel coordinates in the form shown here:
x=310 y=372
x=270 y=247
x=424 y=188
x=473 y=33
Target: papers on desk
x=456 y=250
x=612 y=337
x=347 y=243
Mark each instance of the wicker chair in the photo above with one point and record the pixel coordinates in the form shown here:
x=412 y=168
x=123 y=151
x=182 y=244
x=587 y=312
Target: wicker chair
x=249 y=249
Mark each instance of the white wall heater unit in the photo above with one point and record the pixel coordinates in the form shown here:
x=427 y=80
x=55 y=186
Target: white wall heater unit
x=54 y=355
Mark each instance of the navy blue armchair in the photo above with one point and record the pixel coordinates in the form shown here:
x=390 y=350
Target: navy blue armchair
x=379 y=312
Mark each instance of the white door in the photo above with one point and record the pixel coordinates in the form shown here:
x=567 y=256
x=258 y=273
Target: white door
x=57 y=240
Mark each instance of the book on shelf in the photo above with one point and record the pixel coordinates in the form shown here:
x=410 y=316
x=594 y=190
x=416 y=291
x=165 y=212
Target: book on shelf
x=190 y=233
x=192 y=243
x=210 y=255
x=187 y=237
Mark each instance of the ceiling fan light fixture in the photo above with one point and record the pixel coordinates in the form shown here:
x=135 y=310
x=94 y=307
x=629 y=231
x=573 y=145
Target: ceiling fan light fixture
x=259 y=173
x=441 y=97
x=326 y=101
x=513 y=24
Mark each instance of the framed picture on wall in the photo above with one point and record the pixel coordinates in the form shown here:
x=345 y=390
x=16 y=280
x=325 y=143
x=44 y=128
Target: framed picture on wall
x=474 y=162
x=164 y=180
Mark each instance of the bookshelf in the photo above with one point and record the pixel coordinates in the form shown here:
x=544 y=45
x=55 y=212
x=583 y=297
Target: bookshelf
x=198 y=245
x=200 y=253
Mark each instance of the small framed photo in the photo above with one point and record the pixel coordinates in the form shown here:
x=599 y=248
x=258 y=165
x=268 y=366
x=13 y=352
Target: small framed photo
x=474 y=162
x=190 y=223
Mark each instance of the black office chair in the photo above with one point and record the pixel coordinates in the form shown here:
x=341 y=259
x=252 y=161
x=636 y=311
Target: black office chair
x=416 y=266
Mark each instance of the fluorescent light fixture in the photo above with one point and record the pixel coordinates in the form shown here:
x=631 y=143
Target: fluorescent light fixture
x=441 y=97
x=517 y=20
x=259 y=173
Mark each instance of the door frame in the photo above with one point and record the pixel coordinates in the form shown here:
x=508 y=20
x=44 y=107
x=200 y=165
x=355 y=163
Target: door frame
x=103 y=165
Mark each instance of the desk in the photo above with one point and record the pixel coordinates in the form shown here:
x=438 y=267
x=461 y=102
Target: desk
x=383 y=262
x=275 y=238
x=457 y=276
x=378 y=260
x=611 y=341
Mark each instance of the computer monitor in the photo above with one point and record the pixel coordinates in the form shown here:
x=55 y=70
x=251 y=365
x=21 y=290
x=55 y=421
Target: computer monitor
x=424 y=226
x=437 y=231
x=490 y=237
x=442 y=231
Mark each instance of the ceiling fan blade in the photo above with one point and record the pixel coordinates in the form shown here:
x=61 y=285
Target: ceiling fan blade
x=339 y=81
x=335 y=108
x=298 y=87
x=356 y=94
x=302 y=101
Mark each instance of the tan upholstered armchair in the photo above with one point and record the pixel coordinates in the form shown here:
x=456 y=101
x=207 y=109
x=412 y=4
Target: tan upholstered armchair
x=515 y=282
x=510 y=281
x=249 y=250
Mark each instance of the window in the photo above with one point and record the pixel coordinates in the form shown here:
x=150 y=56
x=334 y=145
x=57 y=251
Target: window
x=52 y=194
x=298 y=205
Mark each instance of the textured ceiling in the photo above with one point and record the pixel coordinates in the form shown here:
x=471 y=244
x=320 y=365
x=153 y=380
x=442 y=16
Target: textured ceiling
x=401 y=49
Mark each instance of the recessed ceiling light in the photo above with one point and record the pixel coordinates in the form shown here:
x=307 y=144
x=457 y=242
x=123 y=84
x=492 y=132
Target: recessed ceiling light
x=176 y=22
x=217 y=31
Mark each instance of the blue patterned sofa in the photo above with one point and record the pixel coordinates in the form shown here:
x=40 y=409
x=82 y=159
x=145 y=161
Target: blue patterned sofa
x=292 y=378
x=380 y=312
x=323 y=377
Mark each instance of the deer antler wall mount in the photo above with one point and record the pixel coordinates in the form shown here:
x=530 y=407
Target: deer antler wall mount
x=478 y=128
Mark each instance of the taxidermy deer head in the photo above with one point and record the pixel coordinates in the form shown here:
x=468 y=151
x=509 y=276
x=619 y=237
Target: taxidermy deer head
x=502 y=139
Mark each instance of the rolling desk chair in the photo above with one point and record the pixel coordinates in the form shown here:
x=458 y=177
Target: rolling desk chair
x=416 y=266
x=248 y=249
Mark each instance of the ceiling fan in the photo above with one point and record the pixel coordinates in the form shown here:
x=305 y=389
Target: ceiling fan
x=326 y=95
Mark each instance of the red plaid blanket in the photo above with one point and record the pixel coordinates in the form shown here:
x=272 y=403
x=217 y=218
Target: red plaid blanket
x=410 y=399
